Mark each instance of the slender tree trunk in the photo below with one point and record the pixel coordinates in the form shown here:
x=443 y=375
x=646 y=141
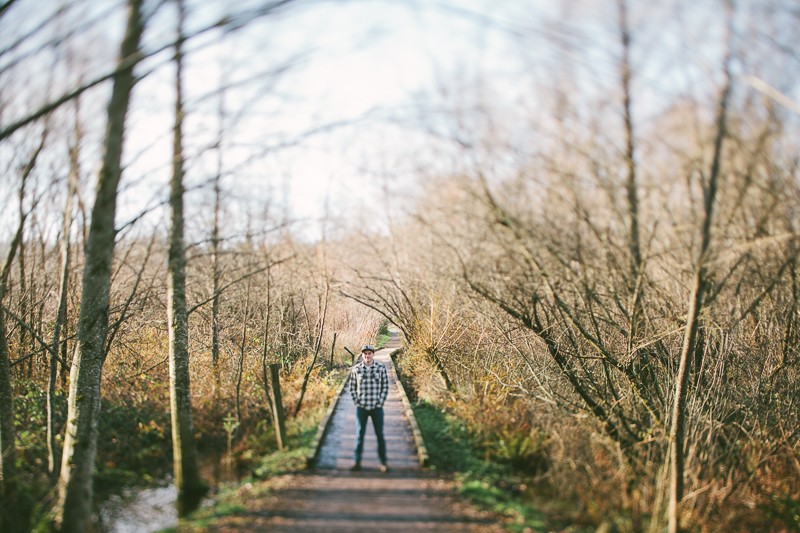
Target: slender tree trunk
x=187 y=473
x=215 y=322
x=64 y=369
x=74 y=507
x=434 y=358
x=634 y=245
x=10 y=519
x=242 y=347
x=23 y=281
x=699 y=285
x=317 y=345
x=215 y=279
x=35 y=310
x=61 y=315
x=265 y=340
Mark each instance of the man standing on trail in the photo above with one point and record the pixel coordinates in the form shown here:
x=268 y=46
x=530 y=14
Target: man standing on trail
x=369 y=386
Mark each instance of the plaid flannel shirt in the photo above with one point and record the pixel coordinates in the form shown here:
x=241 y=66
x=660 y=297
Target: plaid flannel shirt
x=369 y=385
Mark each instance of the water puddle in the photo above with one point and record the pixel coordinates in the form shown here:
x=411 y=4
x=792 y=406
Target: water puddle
x=148 y=509
x=140 y=510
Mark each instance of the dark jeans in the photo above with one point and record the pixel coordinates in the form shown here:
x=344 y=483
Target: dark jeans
x=361 y=428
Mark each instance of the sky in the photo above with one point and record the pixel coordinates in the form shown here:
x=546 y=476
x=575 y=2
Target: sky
x=344 y=119
x=352 y=97
x=338 y=108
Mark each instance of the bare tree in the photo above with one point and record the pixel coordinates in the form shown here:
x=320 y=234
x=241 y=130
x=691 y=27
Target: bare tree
x=215 y=250
x=322 y=315
x=392 y=285
x=8 y=481
x=75 y=493
x=61 y=313
x=187 y=473
x=699 y=287
x=637 y=268
x=266 y=340
x=242 y=351
x=10 y=518
x=25 y=293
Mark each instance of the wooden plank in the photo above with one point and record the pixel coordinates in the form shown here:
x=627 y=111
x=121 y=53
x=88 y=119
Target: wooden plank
x=322 y=429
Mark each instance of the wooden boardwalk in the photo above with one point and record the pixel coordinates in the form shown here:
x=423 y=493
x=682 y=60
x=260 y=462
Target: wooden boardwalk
x=337 y=448
x=331 y=498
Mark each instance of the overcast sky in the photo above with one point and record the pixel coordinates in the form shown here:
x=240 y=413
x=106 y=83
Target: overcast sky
x=365 y=70
x=344 y=117
x=338 y=107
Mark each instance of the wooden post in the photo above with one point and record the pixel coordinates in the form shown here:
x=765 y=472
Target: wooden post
x=352 y=356
x=277 y=405
x=333 y=347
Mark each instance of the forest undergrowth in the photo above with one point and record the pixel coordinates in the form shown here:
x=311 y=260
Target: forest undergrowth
x=544 y=473
x=134 y=443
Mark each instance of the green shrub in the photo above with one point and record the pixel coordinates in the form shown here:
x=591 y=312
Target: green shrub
x=383 y=335
x=524 y=450
x=494 y=485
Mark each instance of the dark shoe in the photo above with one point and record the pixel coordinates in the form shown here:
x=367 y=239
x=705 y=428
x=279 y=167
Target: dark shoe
x=356 y=467
x=384 y=469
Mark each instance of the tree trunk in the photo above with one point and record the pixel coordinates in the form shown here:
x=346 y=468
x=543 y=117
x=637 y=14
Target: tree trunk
x=35 y=310
x=266 y=342
x=8 y=492
x=61 y=314
x=10 y=519
x=23 y=283
x=677 y=435
x=63 y=370
x=678 y=429
x=317 y=345
x=434 y=358
x=634 y=242
x=242 y=348
x=215 y=280
x=187 y=474
x=74 y=506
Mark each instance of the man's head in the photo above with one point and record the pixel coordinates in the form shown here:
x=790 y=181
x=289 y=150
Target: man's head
x=367 y=352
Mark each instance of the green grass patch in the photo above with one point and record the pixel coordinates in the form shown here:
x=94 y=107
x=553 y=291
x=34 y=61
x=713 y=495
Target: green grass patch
x=383 y=336
x=233 y=500
x=293 y=456
x=489 y=484
x=207 y=517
